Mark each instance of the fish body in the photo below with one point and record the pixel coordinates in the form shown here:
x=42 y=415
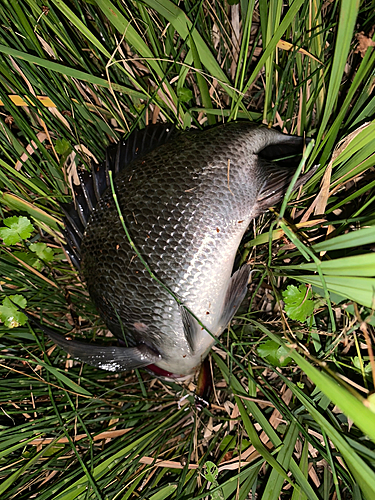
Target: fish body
x=186 y=205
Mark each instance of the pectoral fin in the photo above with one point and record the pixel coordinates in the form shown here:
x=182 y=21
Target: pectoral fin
x=235 y=294
x=191 y=327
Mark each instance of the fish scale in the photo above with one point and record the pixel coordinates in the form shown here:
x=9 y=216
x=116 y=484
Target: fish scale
x=186 y=198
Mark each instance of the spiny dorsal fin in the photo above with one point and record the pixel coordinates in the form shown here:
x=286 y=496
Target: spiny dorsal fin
x=92 y=185
x=141 y=142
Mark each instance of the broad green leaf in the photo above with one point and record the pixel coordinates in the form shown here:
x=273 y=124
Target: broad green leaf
x=30 y=259
x=184 y=94
x=263 y=238
x=353 y=239
x=298 y=302
x=358 y=364
x=211 y=472
x=164 y=493
x=274 y=353
x=18 y=229
x=14 y=202
x=63 y=146
x=371 y=402
x=43 y=252
x=356 y=265
x=9 y=313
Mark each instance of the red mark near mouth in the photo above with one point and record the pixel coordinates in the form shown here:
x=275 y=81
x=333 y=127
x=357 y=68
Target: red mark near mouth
x=159 y=372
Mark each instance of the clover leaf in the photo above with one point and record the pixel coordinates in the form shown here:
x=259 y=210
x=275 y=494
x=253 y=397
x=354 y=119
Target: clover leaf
x=63 y=147
x=211 y=472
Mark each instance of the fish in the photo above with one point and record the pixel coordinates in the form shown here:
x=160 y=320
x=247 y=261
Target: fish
x=159 y=266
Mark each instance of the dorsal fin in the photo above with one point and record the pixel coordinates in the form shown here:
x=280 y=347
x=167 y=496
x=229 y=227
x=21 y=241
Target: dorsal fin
x=93 y=184
x=141 y=142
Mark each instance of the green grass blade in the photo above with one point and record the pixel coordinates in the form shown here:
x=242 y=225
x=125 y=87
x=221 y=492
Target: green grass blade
x=270 y=48
x=361 y=290
x=353 y=406
x=357 y=265
x=348 y=15
x=81 y=26
x=258 y=445
x=16 y=203
x=363 y=474
x=275 y=482
x=69 y=72
x=184 y=28
x=353 y=239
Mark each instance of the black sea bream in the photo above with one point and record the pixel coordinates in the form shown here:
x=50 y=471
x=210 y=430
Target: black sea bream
x=187 y=198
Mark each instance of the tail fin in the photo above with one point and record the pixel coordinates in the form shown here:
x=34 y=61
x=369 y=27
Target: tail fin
x=278 y=164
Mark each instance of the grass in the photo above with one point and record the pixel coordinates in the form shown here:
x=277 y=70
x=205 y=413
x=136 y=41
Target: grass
x=292 y=415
